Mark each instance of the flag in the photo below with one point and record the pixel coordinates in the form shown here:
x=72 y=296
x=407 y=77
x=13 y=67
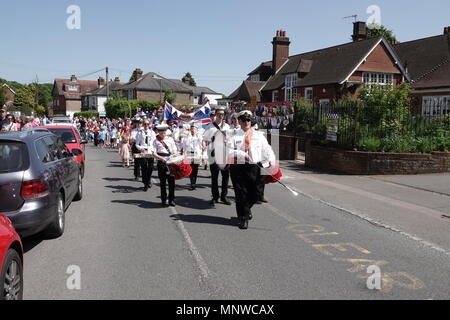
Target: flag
x=171 y=113
x=201 y=116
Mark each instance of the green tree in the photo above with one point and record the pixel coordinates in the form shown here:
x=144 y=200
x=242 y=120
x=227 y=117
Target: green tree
x=3 y=96
x=170 y=96
x=45 y=93
x=375 y=30
x=188 y=77
x=41 y=110
x=25 y=96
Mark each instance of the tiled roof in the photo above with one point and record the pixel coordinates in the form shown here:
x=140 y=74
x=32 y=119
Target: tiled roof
x=85 y=86
x=247 y=90
x=325 y=66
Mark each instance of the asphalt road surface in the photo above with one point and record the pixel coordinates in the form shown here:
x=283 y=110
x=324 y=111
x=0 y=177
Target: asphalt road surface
x=123 y=245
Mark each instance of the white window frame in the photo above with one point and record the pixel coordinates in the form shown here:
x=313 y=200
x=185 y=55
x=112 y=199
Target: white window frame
x=275 y=96
x=379 y=79
x=255 y=77
x=309 y=92
x=72 y=87
x=290 y=81
x=435 y=106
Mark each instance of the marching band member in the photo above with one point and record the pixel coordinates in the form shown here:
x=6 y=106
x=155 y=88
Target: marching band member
x=144 y=144
x=248 y=150
x=214 y=137
x=192 y=147
x=163 y=148
x=134 y=150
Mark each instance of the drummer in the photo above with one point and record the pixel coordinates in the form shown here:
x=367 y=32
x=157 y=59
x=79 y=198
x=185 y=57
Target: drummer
x=163 y=148
x=144 y=143
x=192 y=148
x=248 y=150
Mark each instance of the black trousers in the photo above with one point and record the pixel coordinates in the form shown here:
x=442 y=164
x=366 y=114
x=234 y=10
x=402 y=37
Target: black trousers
x=194 y=173
x=146 y=170
x=261 y=186
x=245 y=179
x=166 y=179
x=214 y=168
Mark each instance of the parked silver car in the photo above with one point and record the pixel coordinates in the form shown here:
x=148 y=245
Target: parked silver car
x=39 y=178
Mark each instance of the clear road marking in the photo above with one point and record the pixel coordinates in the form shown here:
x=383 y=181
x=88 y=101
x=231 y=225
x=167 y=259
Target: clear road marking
x=192 y=248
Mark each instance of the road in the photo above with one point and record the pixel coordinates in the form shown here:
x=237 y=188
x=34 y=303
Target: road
x=314 y=246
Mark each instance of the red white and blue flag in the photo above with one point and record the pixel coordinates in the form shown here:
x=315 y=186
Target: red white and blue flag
x=171 y=113
x=201 y=116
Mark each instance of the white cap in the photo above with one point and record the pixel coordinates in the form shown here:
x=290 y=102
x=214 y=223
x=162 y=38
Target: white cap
x=245 y=113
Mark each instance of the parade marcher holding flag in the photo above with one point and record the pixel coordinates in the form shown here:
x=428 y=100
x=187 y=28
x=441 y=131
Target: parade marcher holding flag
x=248 y=150
x=163 y=148
x=215 y=137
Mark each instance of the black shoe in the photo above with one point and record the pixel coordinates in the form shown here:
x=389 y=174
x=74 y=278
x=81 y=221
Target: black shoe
x=145 y=189
x=150 y=185
x=172 y=204
x=226 y=201
x=192 y=187
x=213 y=203
x=258 y=202
x=243 y=224
x=250 y=217
x=136 y=178
x=264 y=200
x=164 y=204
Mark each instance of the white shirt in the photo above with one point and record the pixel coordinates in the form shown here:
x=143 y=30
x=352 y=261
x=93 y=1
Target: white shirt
x=211 y=131
x=259 y=151
x=217 y=143
x=159 y=148
x=134 y=132
x=192 y=144
x=144 y=140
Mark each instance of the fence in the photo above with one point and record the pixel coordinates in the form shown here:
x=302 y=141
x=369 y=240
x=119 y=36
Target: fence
x=381 y=128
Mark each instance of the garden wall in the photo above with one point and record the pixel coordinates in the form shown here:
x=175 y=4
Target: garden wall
x=375 y=163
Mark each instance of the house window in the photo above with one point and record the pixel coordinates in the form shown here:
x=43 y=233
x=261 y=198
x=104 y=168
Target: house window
x=72 y=87
x=435 y=106
x=254 y=77
x=290 y=82
x=379 y=79
x=275 y=96
x=309 y=94
x=130 y=94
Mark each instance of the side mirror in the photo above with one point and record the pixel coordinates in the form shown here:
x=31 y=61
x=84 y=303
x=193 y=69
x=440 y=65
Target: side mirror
x=77 y=152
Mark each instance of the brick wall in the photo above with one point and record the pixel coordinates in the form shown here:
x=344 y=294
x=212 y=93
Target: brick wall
x=375 y=163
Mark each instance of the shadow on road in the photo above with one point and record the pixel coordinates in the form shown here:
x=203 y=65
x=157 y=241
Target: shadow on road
x=198 y=218
x=140 y=203
x=118 y=179
x=125 y=189
x=196 y=203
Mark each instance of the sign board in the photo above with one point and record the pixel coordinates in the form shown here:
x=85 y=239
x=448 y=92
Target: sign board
x=102 y=114
x=332 y=127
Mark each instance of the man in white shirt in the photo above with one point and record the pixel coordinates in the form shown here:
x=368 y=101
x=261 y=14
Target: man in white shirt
x=248 y=150
x=134 y=150
x=215 y=139
x=192 y=148
x=163 y=148
x=144 y=144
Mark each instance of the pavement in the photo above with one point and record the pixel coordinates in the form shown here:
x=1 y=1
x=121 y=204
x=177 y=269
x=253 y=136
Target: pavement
x=317 y=245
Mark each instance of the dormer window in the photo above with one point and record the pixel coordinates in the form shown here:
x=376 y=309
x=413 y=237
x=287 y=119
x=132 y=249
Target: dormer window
x=72 y=87
x=255 y=77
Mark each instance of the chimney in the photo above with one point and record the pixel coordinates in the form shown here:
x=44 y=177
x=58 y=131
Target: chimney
x=101 y=82
x=447 y=30
x=139 y=73
x=359 y=31
x=73 y=78
x=117 y=79
x=280 y=50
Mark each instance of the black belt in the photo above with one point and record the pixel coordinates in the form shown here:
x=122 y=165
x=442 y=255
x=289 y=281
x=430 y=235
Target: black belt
x=163 y=154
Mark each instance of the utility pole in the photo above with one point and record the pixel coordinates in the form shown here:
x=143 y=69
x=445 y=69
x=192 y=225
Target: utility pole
x=107 y=81
x=36 y=92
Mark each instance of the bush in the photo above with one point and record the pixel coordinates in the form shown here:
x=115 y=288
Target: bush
x=87 y=114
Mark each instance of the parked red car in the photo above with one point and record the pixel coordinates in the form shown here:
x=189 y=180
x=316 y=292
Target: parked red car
x=11 y=262
x=72 y=139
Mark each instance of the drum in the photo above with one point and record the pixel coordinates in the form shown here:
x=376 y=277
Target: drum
x=142 y=155
x=175 y=159
x=180 y=171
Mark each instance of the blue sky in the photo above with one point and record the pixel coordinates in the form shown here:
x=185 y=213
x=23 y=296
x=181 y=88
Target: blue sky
x=219 y=42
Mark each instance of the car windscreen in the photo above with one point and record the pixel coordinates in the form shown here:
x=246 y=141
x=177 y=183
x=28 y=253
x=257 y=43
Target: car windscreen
x=66 y=135
x=13 y=157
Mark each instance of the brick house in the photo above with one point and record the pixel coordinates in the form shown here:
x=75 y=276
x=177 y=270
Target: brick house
x=428 y=63
x=151 y=86
x=325 y=75
x=10 y=93
x=67 y=95
x=95 y=100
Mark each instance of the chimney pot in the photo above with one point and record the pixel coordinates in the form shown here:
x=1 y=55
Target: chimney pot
x=73 y=78
x=359 y=31
x=117 y=79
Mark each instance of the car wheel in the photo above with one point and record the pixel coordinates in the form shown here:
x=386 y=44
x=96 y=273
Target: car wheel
x=82 y=170
x=79 y=194
x=11 y=277
x=56 y=228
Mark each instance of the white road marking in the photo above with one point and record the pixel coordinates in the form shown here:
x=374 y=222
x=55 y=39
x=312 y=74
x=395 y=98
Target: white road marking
x=192 y=248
